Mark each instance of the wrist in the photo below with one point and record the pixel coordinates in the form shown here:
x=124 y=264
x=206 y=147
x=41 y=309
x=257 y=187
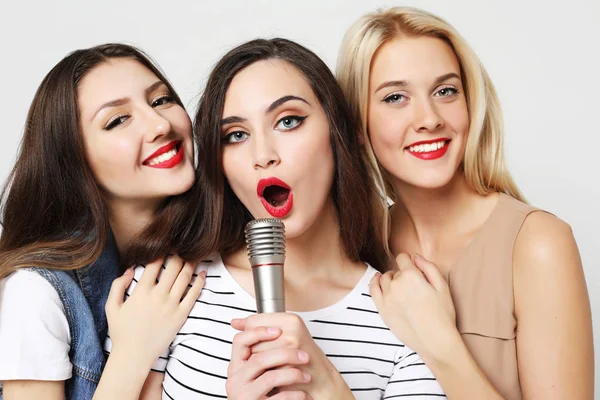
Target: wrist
x=129 y=367
x=458 y=373
x=448 y=349
x=120 y=381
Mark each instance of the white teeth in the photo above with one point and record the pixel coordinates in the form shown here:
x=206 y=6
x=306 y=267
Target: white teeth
x=425 y=148
x=163 y=157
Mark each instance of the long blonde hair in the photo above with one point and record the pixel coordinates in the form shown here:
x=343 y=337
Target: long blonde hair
x=484 y=164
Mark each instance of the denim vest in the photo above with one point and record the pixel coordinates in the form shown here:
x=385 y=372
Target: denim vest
x=83 y=293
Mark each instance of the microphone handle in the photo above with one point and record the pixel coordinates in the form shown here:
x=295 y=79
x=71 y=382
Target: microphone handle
x=268 y=288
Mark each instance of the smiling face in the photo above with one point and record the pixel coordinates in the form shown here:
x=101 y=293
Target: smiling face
x=138 y=140
x=277 y=155
x=418 y=120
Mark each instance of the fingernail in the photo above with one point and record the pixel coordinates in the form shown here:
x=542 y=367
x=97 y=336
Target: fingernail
x=273 y=331
x=302 y=355
x=306 y=376
x=419 y=257
x=203 y=274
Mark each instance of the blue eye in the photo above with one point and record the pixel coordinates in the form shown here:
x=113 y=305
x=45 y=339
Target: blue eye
x=235 y=137
x=395 y=98
x=289 y=122
x=445 y=92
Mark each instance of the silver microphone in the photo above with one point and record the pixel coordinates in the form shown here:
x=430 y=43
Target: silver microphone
x=265 y=239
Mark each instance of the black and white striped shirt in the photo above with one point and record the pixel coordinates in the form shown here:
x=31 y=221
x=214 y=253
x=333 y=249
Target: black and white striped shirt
x=373 y=362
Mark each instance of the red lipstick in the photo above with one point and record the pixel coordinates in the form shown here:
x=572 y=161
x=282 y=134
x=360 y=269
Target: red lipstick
x=276 y=210
x=430 y=155
x=171 y=162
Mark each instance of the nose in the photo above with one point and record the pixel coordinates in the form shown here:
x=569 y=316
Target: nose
x=265 y=152
x=427 y=118
x=157 y=125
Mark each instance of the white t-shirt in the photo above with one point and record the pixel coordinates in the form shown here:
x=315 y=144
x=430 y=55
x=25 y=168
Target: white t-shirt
x=372 y=361
x=34 y=332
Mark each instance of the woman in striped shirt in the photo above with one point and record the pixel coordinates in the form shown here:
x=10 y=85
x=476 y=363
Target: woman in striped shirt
x=275 y=139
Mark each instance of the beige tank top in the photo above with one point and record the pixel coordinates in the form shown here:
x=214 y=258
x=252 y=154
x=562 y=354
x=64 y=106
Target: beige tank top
x=481 y=284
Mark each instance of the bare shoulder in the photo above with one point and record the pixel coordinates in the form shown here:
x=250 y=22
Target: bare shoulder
x=545 y=241
x=547 y=268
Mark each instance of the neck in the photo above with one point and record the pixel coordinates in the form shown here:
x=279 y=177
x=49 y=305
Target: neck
x=127 y=219
x=430 y=215
x=316 y=255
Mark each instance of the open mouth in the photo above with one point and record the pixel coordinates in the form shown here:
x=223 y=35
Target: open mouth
x=276 y=196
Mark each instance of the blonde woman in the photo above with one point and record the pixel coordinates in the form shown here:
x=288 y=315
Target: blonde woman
x=490 y=291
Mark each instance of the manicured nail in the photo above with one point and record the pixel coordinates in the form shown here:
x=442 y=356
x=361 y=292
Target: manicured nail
x=203 y=274
x=273 y=331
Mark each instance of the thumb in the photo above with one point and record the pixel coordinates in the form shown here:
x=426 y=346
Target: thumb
x=375 y=290
x=431 y=272
x=116 y=296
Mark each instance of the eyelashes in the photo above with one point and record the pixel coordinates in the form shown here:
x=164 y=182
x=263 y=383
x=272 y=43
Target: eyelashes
x=289 y=122
x=284 y=124
x=400 y=98
x=235 y=137
x=446 y=91
x=116 y=121
x=119 y=119
x=395 y=98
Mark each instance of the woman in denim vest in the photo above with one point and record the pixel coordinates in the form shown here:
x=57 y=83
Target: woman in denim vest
x=104 y=177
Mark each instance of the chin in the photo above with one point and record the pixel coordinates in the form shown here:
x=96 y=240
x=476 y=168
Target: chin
x=430 y=181
x=307 y=225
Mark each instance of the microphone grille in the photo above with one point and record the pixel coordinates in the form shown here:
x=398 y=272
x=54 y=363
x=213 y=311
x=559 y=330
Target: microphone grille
x=265 y=237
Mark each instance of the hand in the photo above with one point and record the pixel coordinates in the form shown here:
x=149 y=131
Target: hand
x=323 y=381
x=255 y=376
x=145 y=324
x=415 y=303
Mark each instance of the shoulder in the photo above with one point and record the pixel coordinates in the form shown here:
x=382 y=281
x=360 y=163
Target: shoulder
x=29 y=289
x=547 y=266
x=542 y=241
x=34 y=330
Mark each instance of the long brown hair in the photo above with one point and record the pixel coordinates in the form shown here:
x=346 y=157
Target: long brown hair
x=353 y=190
x=53 y=213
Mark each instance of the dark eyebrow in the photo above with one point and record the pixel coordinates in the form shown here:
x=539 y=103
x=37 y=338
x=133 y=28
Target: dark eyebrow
x=232 y=120
x=273 y=106
x=113 y=103
x=283 y=100
x=154 y=86
x=124 y=100
x=438 y=80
